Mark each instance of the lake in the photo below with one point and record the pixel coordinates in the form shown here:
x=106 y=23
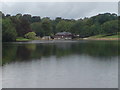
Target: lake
x=60 y=64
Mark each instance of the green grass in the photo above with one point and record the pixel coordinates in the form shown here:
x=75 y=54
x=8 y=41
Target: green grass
x=97 y=36
x=113 y=36
x=22 y=39
x=105 y=36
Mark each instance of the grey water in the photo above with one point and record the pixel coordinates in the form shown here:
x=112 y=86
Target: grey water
x=60 y=64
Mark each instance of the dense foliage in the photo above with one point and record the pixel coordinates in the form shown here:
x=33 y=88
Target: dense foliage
x=30 y=35
x=19 y=25
x=9 y=31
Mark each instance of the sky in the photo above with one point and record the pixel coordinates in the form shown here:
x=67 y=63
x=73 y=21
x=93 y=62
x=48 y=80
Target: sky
x=67 y=10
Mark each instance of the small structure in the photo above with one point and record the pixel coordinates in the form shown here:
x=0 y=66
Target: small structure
x=76 y=35
x=63 y=35
x=46 y=37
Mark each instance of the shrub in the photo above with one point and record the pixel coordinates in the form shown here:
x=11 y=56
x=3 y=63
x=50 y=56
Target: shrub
x=30 y=35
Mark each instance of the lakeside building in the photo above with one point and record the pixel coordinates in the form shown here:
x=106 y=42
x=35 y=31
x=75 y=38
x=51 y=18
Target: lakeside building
x=63 y=35
x=46 y=38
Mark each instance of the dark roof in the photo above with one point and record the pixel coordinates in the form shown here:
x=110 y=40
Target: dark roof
x=63 y=33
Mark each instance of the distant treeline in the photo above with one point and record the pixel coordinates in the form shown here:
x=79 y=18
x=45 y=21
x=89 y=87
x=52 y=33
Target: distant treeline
x=19 y=25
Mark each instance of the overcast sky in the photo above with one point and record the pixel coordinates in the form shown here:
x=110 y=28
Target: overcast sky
x=69 y=10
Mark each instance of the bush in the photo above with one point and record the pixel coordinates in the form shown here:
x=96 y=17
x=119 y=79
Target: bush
x=30 y=35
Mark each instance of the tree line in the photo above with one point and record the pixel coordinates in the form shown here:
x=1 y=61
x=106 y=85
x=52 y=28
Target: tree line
x=19 y=25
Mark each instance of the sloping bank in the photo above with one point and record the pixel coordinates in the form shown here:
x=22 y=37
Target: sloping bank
x=101 y=38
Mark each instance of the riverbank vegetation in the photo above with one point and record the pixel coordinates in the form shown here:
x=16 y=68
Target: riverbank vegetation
x=101 y=25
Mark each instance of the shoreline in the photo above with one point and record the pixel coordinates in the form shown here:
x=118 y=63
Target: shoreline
x=101 y=39
x=97 y=39
x=77 y=39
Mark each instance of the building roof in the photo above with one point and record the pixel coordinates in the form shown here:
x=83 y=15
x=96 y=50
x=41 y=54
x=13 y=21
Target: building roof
x=63 y=33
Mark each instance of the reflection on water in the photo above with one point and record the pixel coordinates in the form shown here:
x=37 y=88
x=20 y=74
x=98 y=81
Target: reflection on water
x=60 y=64
x=27 y=51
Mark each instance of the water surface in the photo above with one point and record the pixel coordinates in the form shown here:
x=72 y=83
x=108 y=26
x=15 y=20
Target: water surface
x=60 y=64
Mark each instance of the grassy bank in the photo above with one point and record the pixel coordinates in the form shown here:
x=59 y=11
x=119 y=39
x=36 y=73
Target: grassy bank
x=19 y=39
x=104 y=37
x=22 y=39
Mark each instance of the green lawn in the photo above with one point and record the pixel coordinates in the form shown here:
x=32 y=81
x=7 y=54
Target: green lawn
x=113 y=36
x=97 y=36
x=105 y=36
x=22 y=39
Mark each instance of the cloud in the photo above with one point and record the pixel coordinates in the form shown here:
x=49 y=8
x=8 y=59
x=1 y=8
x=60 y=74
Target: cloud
x=71 y=10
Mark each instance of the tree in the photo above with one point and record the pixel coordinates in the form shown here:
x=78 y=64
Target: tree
x=58 y=19
x=37 y=28
x=77 y=27
x=21 y=25
x=64 y=26
x=35 y=19
x=8 y=31
x=27 y=17
x=8 y=15
x=102 y=18
x=30 y=35
x=110 y=27
x=46 y=26
x=96 y=29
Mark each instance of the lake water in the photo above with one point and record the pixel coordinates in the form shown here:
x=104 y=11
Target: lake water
x=60 y=64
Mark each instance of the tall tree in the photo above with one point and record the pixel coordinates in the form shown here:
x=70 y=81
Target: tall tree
x=37 y=27
x=46 y=26
x=8 y=31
